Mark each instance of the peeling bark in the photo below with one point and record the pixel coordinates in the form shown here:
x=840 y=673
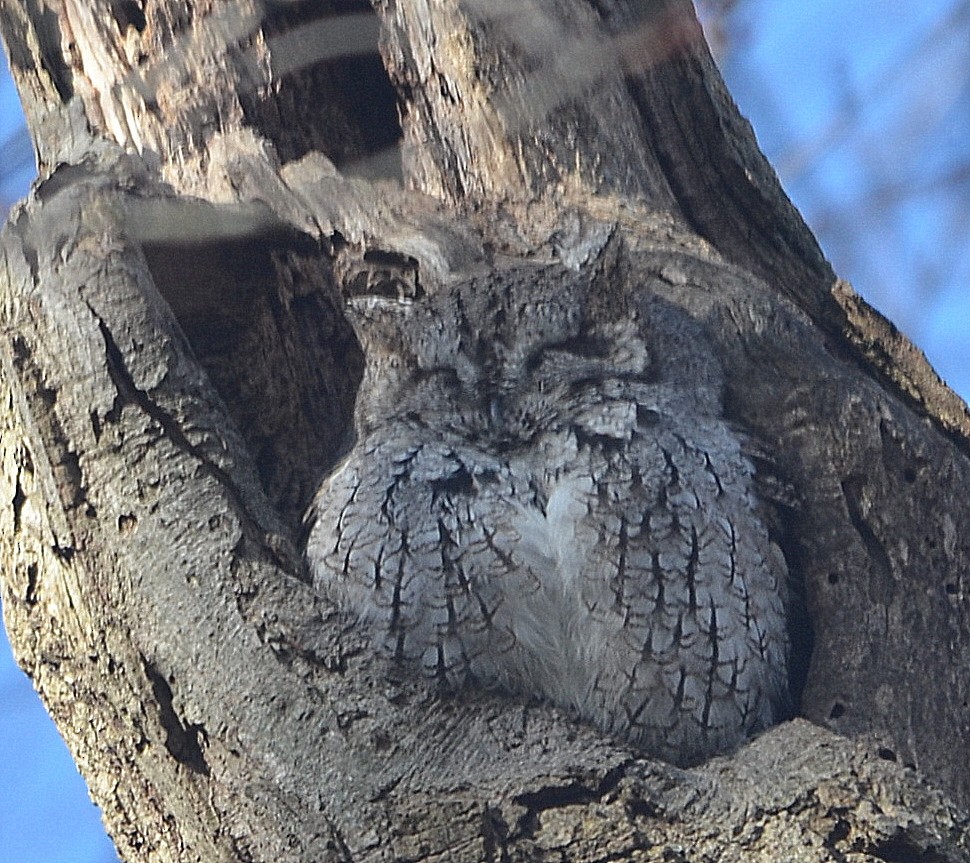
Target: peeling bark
x=177 y=375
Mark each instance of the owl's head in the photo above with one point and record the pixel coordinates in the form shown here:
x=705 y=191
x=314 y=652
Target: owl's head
x=464 y=351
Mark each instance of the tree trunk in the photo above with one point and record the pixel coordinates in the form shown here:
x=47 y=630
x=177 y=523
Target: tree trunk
x=177 y=376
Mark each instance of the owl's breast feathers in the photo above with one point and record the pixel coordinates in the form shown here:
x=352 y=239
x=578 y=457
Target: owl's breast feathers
x=582 y=538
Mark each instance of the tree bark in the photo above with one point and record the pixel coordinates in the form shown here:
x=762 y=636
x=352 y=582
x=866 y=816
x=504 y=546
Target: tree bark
x=177 y=376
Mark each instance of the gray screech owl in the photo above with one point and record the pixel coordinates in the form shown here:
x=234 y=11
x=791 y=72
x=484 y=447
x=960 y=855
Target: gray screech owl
x=543 y=496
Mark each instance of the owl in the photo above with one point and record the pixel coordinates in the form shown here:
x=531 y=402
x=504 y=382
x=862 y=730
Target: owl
x=543 y=496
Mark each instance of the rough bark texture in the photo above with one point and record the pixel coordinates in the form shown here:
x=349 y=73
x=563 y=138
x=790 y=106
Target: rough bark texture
x=176 y=376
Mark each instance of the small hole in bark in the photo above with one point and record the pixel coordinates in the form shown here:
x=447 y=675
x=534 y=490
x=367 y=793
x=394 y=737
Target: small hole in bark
x=182 y=740
x=909 y=475
x=642 y=809
x=952 y=589
x=30 y=597
x=902 y=847
x=127 y=524
x=51 y=56
x=128 y=13
x=325 y=56
x=837 y=711
x=833 y=578
x=886 y=754
x=19 y=501
x=838 y=833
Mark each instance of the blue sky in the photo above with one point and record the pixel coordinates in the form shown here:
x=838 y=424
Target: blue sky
x=850 y=100
x=16 y=170
x=864 y=109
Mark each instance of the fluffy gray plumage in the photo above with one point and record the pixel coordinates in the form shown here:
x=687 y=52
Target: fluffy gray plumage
x=543 y=496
